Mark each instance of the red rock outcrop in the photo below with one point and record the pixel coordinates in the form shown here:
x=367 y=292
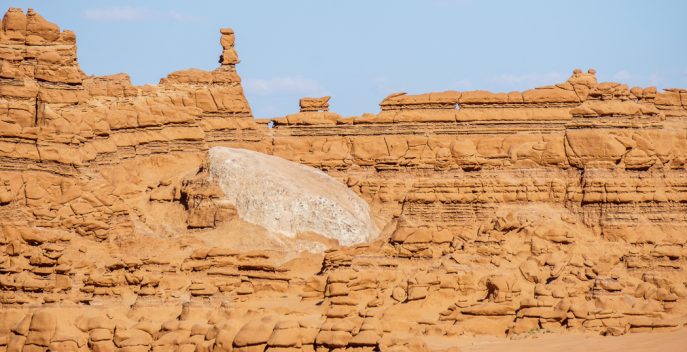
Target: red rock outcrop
x=561 y=208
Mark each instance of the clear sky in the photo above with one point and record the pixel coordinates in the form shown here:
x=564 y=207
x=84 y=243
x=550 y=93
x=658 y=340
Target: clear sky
x=360 y=51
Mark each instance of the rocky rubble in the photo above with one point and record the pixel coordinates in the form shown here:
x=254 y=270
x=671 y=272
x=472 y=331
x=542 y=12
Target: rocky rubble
x=557 y=209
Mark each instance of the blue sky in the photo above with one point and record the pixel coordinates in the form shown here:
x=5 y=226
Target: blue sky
x=360 y=51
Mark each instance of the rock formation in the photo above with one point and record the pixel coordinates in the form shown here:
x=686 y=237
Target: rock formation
x=557 y=209
x=290 y=198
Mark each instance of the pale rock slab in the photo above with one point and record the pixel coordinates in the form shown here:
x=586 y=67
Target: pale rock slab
x=290 y=198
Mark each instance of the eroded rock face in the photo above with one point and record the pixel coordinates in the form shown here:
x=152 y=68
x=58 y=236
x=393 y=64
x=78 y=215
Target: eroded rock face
x=290 y=198
x=560 y=208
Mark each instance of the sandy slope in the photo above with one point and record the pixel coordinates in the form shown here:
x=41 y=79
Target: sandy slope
x=675 y=341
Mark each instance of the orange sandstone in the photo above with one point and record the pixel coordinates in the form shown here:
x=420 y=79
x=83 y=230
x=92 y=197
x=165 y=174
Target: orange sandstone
x=557 y=209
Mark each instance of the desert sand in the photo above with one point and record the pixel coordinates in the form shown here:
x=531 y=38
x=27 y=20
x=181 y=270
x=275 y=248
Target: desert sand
x=660 y=341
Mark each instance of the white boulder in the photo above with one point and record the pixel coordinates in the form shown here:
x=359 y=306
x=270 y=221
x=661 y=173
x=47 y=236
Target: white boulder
x=289 y=198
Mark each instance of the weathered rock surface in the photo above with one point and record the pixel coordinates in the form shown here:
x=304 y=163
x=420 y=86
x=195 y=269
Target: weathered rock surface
x=557 y=209
x=290 y=198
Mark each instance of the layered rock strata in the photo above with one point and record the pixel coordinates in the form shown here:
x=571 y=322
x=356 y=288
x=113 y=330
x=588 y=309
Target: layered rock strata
x=561 y=208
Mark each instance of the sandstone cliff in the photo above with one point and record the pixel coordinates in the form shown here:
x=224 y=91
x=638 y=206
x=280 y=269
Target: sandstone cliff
x=561 y=208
